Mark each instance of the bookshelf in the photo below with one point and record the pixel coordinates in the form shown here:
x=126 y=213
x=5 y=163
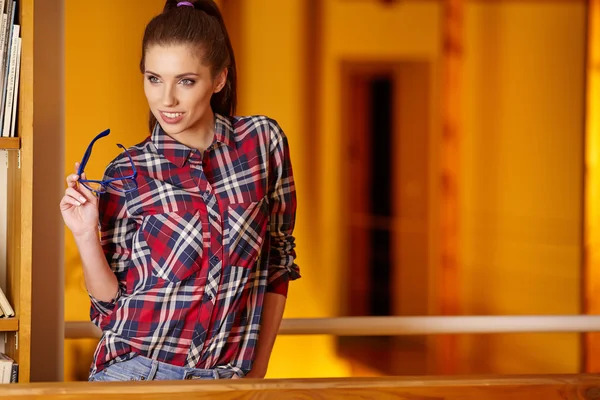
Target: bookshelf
x=10 y=143
x=9 y=325
x=19 y=207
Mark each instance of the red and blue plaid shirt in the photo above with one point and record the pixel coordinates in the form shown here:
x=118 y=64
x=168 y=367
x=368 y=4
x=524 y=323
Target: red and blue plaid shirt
x=196 y=246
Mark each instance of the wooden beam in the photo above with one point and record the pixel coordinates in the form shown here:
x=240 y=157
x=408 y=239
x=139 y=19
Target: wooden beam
x=396 y=326
x=591 y=239
x=547 y=387
x=447 y=282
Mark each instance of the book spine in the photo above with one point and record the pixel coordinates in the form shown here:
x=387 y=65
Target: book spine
x=10 y=85
x=16 y=91
x=14 y=375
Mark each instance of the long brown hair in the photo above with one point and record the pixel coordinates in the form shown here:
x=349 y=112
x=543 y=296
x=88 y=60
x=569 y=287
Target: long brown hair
x=203 y=27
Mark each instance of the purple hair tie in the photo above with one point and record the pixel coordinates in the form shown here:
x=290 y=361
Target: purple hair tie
x=185 y=3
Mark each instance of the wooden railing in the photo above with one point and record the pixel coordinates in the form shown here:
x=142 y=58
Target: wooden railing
x=526 y=387
x=383 y=326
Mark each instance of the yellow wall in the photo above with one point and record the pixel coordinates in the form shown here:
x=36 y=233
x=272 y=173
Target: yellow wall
x=523 y=103
x=522 y=183
x=522 y=155
x=403 y=31
x=103 y=89
x=272 y=83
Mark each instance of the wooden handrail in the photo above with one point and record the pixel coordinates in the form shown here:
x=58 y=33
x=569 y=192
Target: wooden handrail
x=384 y=326
x=546 y=387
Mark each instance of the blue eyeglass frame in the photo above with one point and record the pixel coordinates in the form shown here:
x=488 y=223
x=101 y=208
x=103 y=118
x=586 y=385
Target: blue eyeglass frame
x=107 y=182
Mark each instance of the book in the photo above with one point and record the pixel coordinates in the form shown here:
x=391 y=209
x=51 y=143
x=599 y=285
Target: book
x=10 y=369
x=5 y=305
x=10 y=83
x=3 y=35
x=7 y=52
x=6 y=366
x=13 y=126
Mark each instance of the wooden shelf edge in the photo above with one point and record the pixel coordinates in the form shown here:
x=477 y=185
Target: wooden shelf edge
x=10 y=143
x=9 y=324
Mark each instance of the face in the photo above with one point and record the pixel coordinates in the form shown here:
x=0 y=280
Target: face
x=178 y=88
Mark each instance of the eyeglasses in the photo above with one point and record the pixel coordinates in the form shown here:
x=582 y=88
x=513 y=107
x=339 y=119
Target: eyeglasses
x=123 y=184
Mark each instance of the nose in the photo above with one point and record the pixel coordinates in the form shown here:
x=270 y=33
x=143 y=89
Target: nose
x=168 y=96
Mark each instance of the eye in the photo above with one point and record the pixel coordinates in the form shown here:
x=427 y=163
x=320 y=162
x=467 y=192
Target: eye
x=187 y=82
x=153 y=79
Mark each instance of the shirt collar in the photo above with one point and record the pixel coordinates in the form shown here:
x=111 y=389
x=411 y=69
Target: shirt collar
x=223 y=130
x=178 y=153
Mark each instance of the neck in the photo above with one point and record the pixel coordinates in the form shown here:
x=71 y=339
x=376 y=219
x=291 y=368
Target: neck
x=201 y=135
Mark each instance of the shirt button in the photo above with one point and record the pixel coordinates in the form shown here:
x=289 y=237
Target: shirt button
x=214 y=259
x=208 y=297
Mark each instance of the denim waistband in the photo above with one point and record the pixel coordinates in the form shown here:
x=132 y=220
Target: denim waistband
x=142 y=368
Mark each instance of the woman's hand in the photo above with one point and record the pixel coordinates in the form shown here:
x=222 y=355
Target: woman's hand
x=256 y=373
x=79 y=207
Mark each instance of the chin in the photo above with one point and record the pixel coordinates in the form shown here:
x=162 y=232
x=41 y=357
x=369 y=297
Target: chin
x=172 y=129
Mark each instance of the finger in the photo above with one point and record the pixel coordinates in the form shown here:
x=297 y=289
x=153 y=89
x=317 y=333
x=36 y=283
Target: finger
x=77 y=167
x=72 y=180
x=89 y=195
x=68 y=202
x=76 y=194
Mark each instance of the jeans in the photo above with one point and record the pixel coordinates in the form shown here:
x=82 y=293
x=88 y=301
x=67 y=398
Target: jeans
x=144 y=369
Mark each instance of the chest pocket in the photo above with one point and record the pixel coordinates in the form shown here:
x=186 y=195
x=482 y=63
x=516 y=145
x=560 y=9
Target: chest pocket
x=173 y=243
x=245 y=230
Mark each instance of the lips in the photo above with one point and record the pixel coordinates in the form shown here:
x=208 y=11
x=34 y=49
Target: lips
x=171 y=117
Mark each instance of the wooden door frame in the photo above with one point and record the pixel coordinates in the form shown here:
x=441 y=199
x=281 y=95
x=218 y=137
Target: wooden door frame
x=590 y=277
x=397 y=68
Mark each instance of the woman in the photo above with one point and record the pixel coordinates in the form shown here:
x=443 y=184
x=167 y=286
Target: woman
x=194 y=259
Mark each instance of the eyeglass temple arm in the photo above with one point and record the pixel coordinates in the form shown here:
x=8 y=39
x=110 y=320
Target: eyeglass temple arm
x=88 y=152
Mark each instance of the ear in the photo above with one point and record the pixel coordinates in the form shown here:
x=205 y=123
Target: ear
x=220 y=81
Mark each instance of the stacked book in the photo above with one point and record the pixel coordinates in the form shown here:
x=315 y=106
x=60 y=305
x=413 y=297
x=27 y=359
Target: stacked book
x=10 y=66
x=9 y=369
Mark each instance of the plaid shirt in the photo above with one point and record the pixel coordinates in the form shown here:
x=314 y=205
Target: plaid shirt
x=196 y=246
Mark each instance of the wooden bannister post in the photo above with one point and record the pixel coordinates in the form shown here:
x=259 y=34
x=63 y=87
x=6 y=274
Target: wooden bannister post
x=447 y=282
x=591 y=239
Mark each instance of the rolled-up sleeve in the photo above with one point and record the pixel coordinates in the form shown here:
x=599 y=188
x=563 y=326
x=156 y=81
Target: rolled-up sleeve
x=116 y=233
x=282 y=208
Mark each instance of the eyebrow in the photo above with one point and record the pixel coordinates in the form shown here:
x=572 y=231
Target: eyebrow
x=177 y=76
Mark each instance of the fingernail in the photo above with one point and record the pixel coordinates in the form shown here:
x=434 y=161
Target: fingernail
x=78 y=204
x=82 y=199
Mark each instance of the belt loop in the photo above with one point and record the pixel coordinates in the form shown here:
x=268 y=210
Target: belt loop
x=216 y=373
x=153 y=370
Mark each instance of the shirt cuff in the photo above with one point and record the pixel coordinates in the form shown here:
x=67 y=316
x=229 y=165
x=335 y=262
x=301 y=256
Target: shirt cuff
x=280 y=277
x=279 y=285
x=105 y=307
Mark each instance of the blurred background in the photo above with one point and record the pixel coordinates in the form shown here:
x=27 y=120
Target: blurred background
x=439 y=154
